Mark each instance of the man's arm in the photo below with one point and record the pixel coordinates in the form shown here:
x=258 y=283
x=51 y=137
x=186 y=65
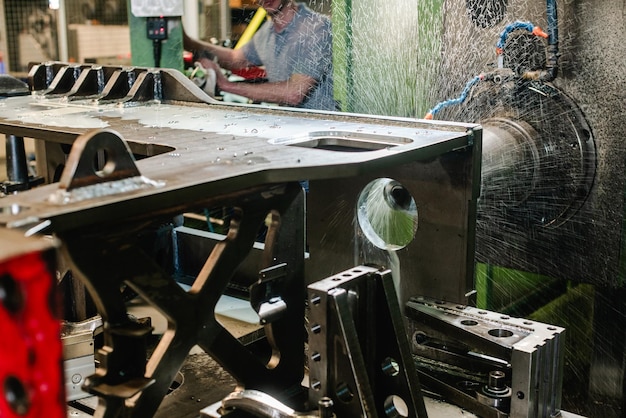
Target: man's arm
x=231 y=59
x=291 y=92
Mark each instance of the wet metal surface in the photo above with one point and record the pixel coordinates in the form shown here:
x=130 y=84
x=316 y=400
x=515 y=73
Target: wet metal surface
x=210 y=146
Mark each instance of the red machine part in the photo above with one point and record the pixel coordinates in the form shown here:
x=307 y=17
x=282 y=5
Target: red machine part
x=31 y=353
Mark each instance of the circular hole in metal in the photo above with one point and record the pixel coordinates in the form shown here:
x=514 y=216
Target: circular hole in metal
x=387 y=214
x=395 y=407
x=344 y=393
x=11 y=295
x=390 y=367
x=500 y=333
x=16 y=395
x=420 y=338
x=176 y=383
x=466 y=384
x=13 y=209
x=469 y=322
x=104 y=165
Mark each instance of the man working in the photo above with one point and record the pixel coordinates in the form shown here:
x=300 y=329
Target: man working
x=295 y=47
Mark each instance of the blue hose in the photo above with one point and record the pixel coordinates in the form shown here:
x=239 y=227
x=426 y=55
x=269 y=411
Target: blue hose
x=456 y=101
x=553 y=27
x=553 y=41
x=513 y=27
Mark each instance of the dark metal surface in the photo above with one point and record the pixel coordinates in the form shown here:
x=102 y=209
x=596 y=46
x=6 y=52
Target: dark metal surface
x=106 y=260
x=439 y=262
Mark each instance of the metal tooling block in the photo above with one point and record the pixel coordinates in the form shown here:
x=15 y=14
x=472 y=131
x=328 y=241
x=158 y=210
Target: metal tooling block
x=494 y=362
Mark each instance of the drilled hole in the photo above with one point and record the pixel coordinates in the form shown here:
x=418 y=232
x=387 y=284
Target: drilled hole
x=395 y=407
x=11 y=295
x=390 y=367
x=500 y=333
x=344 y=393
x=16 y=395
x=104 y=165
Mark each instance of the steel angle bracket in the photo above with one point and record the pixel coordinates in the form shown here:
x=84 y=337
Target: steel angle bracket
x=106 y=145
x=359 y=355
x=113 y=83
x=489 y=363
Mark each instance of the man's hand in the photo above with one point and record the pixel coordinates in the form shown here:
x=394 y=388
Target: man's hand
x=221 y=79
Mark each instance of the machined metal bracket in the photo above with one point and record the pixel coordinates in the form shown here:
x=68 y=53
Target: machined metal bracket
x=105 y=84
x=359 y=354
x=103 y=148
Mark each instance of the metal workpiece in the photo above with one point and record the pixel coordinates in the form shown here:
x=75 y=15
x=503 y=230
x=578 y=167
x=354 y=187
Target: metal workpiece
x=78 y=337
x=211 y=149
x=258 y=404
x=359 y=353
x=124 y=170
x=208 y=149
x=491 y=364
x=439 y=260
